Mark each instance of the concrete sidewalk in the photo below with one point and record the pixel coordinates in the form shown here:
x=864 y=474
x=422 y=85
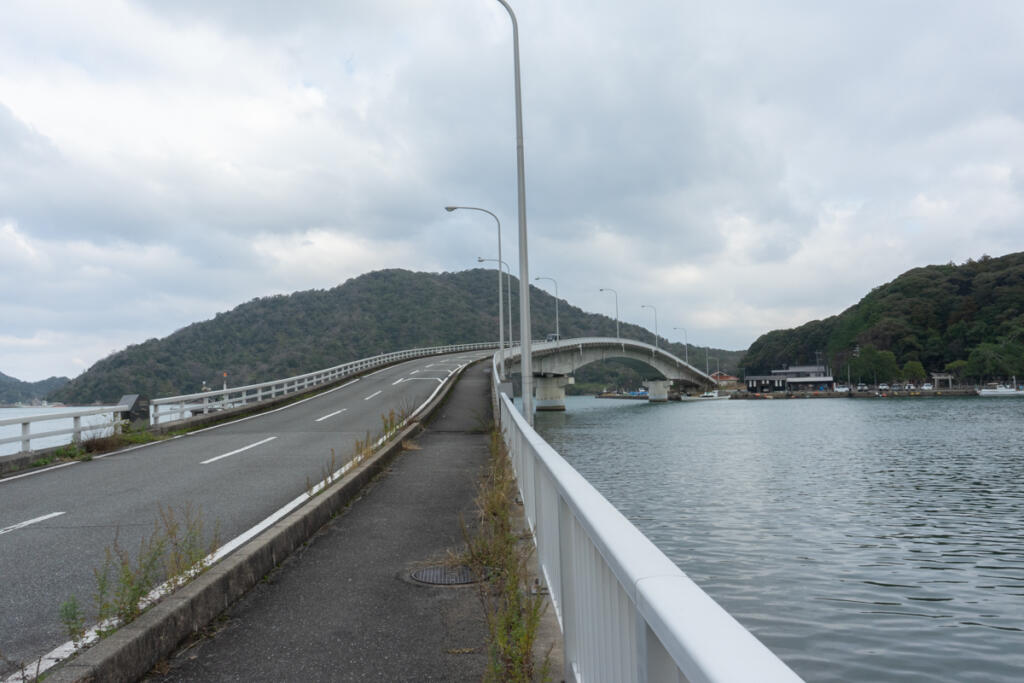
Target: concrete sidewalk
x=344 y=607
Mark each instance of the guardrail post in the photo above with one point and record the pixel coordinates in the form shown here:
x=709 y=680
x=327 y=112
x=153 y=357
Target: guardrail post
x=26 y=437
x=77 y=436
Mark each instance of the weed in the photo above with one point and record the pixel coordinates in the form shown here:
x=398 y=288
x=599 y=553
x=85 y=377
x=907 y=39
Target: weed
x=73 y=619
x=498 y=556
x=127 y=583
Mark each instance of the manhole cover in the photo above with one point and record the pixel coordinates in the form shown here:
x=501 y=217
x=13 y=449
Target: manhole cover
x=441 y=575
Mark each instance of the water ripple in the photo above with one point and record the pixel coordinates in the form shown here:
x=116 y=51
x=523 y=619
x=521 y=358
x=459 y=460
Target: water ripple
x=860 y=540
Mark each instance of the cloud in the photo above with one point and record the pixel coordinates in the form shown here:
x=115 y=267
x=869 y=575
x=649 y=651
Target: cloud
x=742 y=166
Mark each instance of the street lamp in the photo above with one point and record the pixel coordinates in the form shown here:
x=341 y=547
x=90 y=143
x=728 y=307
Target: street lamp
x=524 y=270
x=501 y=325
x=718 y=369
x=686 y=344
x=508 y=290
x=655 y=322
x=609 y=289
x=558 y=332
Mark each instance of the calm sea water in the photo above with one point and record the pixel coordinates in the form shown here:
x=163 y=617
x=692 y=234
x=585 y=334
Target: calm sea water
x=47 y=426
x=861 y=540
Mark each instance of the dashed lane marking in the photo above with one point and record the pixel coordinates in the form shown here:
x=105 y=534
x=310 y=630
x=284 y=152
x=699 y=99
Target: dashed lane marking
x=336 y=412
x=372 y=395
x=21 y=525
x=238 y=450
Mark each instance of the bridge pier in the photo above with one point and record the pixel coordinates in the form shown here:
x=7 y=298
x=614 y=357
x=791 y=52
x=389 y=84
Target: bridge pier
x=657 y=390
x=550 y=391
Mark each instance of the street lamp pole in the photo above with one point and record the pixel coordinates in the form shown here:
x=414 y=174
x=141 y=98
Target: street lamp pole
x=686 y=344
x=558 y=332
x=508 y=291
x=501 y=324
x=718 y=369
x=609 y=289
x=655 y=322
x=524 y=270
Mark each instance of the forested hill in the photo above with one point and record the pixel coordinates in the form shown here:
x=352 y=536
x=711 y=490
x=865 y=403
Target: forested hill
x=967 y=319
x=14 y=390
x=280 y=336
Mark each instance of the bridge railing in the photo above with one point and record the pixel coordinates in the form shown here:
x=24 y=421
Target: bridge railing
x=605 y=342
x=27 y=436
x=173 y=408
x=627 y=612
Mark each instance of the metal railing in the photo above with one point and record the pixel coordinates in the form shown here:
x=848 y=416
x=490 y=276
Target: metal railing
x=627 y=612
x=179 y=407
x=26 y=422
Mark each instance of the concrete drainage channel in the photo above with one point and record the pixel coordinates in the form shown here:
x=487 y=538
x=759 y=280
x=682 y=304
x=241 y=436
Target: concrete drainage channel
x=130 y=652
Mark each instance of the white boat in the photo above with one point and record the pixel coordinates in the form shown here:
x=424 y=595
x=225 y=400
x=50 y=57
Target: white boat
x=1001 y=390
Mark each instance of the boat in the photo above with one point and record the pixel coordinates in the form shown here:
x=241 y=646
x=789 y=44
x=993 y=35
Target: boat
x=994 y=389
x=706 y=396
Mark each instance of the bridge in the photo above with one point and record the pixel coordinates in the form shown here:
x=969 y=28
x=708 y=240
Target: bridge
x=554 y=364
x=626 y=611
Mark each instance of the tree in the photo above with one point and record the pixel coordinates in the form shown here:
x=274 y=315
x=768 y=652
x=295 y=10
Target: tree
x=913 y=371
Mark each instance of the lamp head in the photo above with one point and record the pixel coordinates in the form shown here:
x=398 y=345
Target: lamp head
x=479 y=259
x=450 y=208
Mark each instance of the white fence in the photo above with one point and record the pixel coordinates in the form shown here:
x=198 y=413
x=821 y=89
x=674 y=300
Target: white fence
x=175 y=408
x=27 y=435
x=627 y=612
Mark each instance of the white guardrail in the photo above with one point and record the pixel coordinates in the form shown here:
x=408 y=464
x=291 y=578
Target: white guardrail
x=180 y=407
x=627 y=612
x=26 y=422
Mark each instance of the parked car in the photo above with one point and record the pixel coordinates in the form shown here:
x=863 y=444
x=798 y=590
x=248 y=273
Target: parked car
x=883 y=387
x=842 y=389
x=862 y=387
x=909 y=387
x=927 y=386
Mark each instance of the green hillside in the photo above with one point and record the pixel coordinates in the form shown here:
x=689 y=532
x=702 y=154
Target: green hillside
x=966 y=319
x=389 y=310
x=16 y=391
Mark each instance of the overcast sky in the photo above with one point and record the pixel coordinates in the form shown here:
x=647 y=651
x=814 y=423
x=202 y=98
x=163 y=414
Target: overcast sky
x=741 y=166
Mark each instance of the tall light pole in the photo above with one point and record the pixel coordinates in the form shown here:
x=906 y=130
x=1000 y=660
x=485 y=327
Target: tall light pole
x=609 y=289
x=524 y=271
x=501 y=324
x=686 y=344
x=718 y=369
x=558 y=332
x=508 y=290
x=655 y=322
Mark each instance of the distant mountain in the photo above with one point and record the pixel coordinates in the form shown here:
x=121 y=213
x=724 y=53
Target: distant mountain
x=280 y=336
x=16 y=391
x=967 y=319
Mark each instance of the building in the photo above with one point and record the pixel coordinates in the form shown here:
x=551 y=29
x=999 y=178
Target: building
x=792 y=379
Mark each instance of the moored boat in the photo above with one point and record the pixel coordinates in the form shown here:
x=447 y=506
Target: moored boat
x=994 y=389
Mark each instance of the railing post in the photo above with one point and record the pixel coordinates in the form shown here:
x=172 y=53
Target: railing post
x=26 y=437
x=77 y=436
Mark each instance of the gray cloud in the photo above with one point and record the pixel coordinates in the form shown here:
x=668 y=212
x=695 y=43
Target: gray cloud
x=742 y=166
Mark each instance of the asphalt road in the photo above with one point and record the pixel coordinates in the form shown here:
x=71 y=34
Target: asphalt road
x=55 y=524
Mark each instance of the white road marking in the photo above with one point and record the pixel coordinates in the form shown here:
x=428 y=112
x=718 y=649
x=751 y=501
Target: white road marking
x=371 y=395
x=397 y=381
x=20 y=525
x=40 y=471
x=239 y=450
x=414 y=372
x=336 y=412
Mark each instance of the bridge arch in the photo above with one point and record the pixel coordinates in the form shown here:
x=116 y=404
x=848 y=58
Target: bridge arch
x=554 y=362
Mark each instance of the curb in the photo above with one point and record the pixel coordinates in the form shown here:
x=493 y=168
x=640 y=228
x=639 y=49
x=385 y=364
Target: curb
x=133 y=650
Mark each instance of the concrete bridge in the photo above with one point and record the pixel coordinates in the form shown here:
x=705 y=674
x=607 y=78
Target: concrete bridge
x=554 y=364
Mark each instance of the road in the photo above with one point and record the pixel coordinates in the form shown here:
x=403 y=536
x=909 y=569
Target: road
x=55 y=524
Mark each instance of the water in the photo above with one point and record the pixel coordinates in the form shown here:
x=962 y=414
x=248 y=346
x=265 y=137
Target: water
x=48 y=426
x=860 y=540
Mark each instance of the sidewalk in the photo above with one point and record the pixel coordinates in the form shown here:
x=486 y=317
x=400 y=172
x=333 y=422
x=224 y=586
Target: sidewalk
x=344 y=608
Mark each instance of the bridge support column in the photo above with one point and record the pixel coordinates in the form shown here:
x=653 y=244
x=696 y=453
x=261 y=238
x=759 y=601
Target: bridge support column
x=657 y=390
x=551 y=392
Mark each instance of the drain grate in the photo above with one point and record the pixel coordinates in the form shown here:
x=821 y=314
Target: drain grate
x=440 y=575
